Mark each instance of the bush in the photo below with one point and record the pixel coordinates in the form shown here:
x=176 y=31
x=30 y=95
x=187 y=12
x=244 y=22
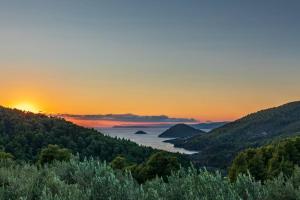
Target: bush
x=5 y=156
x=52 y=153
x=94 y=180
x=160 y=164
x=119 y=162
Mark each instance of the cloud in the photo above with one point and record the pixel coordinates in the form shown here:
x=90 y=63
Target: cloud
x=130 y=118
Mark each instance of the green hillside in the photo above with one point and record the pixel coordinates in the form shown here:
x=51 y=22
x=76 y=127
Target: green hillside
x=209 y=125
x=24 y=134
x=218 y=148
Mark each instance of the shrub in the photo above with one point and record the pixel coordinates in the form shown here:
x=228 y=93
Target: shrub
x=53 y=152
x=5 y=156
x=94 y=180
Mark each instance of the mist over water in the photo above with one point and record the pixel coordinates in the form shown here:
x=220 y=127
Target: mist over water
x=150 y=139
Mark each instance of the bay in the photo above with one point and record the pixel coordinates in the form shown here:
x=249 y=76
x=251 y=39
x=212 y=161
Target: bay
x=150 y=139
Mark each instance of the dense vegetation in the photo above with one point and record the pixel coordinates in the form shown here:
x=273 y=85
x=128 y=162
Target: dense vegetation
x=268 y=161
x=53 y=153
x=209 y=125
x=220 y=146
x=181 y=131
x=159 y=164
x=94 y=180
x=24 y=134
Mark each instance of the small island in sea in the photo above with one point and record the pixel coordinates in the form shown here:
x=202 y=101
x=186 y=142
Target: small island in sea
x=140 y=133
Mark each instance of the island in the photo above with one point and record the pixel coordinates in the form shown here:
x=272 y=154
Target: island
x=181 y=131
x=140 y=133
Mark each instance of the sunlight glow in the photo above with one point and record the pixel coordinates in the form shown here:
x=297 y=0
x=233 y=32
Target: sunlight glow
x=28 y=107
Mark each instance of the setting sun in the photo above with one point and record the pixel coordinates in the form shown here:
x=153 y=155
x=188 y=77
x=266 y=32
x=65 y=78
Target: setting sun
x=26 y=107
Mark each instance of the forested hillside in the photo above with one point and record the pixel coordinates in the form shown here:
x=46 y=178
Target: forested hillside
x=24 y=134
x=209 y=125
x=218 y=148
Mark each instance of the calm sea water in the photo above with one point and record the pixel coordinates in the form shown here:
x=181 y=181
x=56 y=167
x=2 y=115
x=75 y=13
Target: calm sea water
x=150 y=139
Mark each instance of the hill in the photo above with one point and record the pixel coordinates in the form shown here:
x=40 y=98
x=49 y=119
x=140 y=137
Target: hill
x=180 y=131
x=218 y=148
x=209 y=125
x=24 y=134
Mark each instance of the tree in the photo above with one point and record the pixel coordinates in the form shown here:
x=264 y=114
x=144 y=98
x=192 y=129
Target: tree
x=54 y=152
x=268 y=161
x=160 y=164
x=119 y=162
x=5 y=156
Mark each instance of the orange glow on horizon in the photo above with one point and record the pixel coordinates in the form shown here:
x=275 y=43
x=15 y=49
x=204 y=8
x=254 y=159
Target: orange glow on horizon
x=51 y=103
x=108 y=123
x=25 y=106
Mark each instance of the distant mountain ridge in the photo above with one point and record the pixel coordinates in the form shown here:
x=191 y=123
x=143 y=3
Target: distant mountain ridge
x=180 y=131
x=218 y=147
x=206 y=125
x=143 y=126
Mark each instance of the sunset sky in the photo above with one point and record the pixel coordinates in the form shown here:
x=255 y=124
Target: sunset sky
x=207 y=60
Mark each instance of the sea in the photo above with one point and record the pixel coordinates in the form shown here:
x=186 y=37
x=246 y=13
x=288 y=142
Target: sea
x=150 y=139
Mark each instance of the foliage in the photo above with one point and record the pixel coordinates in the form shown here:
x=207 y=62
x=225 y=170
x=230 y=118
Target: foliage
x=6 y=156
x=52 y=153
x=219 y=147
x=94 y=180
x=268 y=161
x=159 y=164
x=24 y=135
x=119 y=162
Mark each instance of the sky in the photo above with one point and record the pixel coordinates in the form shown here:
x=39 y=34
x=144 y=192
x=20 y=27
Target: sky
x=200 y=59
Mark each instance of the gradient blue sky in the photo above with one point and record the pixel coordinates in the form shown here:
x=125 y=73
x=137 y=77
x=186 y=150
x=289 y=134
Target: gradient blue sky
x=210 y=60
